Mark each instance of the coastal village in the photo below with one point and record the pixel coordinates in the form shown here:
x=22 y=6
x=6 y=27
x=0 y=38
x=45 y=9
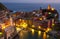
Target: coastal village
x=43 y=20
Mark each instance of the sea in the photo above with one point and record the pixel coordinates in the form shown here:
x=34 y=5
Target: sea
x=27 y=7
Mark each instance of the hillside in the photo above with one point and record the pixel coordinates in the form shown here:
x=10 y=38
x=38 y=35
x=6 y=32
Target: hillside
x=2 y=7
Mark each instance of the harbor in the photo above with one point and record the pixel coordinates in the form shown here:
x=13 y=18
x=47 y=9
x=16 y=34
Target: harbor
x=37 y=24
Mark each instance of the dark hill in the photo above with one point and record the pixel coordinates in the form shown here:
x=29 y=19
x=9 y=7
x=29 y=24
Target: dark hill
x=2 y=7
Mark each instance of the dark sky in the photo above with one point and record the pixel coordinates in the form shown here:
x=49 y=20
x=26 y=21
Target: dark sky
x=31 y=1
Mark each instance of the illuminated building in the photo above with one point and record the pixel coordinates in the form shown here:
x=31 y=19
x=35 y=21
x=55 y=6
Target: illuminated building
x=49 y=7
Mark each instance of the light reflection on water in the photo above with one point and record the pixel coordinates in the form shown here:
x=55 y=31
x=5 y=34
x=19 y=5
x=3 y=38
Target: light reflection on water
x=39 y=33
x=32 y=32
x=23 y=34
x=32 y=35
x=44 y=35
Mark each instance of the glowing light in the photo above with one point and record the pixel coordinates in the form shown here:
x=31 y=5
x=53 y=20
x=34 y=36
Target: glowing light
x=23 y=25
x=40 y=18
x=44 y=35
x=53 y=24
x=20 y=20
x=52 y=9
x=48 y=29
x=39 y=33
x=3 y=26
x=32 y=31
x=49 y=13
x=18 y=29
x=39 y=27
x=33 y=26
x=1 y=33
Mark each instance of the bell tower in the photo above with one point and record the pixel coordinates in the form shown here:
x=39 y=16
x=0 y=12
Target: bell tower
x=49 y=7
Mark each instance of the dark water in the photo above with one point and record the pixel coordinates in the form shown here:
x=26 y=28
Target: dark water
x=29 y=6
x=29 y=35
